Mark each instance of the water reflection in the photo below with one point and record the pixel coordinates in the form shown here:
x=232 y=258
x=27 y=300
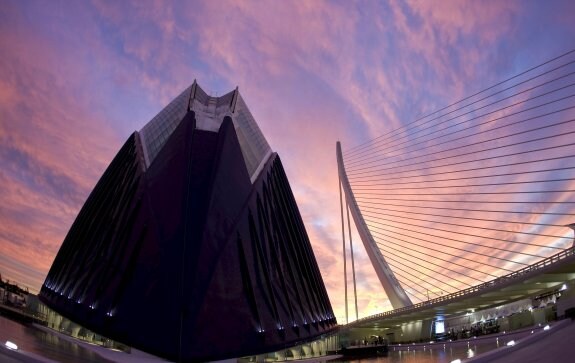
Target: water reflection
x=412 y=356
x=432 y=353
x=47 y=345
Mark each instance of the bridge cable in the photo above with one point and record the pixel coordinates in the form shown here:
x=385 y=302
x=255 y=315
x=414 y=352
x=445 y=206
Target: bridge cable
x=471 y=218
x=444 y=245
x=490 y=275
x=486 y=220
x=354 y=157
x=352 y=162
x=558 y=158
x=410 y=286
x=370 y=184
x=420 y=280
x=463 y=233
x=484 y=159
x=426 y=275
x=353 y=171
x=403 y=253
x=349 y=151
x=455 y=240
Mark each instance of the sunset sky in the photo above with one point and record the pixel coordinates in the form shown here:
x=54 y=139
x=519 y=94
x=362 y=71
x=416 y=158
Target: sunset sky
x=78 y=77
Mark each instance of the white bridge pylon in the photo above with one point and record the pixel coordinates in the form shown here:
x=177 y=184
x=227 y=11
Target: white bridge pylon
x=393 y=289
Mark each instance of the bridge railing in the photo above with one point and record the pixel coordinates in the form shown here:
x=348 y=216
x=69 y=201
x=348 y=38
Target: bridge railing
x=566 y=253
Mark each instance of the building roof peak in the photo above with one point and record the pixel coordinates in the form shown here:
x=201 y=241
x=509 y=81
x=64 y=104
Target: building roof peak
x=209 y=113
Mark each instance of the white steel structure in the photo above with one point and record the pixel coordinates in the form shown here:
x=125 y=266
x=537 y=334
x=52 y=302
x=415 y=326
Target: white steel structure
x=397 y=296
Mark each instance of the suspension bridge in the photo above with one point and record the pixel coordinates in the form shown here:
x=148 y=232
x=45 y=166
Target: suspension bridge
x=469 y=207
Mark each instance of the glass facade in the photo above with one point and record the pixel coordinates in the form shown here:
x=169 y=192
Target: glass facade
x=255 y=147
x=156 y=132
x=210 y=112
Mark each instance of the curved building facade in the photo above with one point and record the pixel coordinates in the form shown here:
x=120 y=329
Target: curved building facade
x=191 y=246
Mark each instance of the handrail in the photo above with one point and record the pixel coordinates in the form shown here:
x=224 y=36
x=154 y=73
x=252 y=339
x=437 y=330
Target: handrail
x=568 y=252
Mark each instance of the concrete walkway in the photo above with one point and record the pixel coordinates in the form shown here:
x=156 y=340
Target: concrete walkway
x=136 y=356
x=110 y=354
x=555 y=345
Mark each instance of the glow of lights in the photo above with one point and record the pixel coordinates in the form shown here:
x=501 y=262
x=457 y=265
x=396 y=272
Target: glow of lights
x=456 y=361
x=511 y=343
x=11 y=345
x=546 y=327
x=531 y=331
x=439 y=327
x=563 y=288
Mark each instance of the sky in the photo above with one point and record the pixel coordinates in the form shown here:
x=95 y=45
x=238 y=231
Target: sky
x=78 y=77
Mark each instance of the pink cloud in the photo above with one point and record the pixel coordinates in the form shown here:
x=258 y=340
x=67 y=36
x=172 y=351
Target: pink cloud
x=256 y=47
x=51 y=147
x=311 y=72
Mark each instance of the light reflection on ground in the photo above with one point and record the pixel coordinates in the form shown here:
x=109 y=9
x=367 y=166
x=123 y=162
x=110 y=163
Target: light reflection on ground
x=33 y=340
x=447 y=352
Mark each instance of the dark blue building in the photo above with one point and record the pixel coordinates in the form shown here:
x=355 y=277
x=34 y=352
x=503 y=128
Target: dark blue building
x=191 y=246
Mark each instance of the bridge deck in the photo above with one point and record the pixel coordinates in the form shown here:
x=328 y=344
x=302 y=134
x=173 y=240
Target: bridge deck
x=528 y=282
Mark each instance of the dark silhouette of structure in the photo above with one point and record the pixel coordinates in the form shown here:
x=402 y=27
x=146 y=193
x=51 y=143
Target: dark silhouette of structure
x=191 y=246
